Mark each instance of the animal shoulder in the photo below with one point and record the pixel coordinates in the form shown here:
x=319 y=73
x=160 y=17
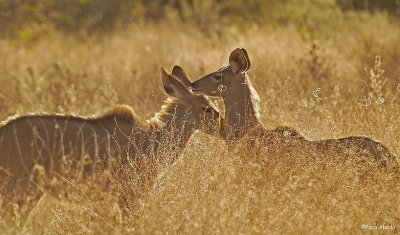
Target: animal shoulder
x=121 y=113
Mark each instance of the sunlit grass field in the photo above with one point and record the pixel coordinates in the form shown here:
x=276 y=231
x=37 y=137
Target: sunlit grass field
x=326 y=87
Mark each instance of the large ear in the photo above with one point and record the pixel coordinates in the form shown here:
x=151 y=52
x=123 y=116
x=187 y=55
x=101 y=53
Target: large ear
x=173 y=87
x=247 y=59
x=238 y=60
x=179 y=73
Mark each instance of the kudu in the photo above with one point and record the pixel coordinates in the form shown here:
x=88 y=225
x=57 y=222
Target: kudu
x=232 y=84
x=45 y=139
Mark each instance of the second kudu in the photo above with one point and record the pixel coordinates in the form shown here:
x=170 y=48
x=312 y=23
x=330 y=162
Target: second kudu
x=232 y=84
x=45 y=139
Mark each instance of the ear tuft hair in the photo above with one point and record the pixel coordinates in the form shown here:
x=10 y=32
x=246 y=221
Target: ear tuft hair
x=247 y=59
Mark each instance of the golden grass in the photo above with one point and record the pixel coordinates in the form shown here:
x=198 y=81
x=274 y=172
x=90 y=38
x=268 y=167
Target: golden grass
x=210 y=189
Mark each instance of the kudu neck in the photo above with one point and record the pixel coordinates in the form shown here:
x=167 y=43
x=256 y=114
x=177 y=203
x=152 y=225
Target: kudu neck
x=241 y=107
x=170 y=128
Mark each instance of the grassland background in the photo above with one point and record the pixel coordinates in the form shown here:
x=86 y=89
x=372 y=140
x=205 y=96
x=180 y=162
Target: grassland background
x=69 y=61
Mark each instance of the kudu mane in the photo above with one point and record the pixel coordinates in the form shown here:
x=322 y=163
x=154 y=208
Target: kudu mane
x=254 y=97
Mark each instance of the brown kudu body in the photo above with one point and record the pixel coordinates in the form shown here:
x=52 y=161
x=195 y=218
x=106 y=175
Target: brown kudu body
x=232 y=84
x=45 y=139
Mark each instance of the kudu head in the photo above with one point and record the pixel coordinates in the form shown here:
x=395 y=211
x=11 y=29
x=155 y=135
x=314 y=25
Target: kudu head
x=226 y=79
x=195 y=111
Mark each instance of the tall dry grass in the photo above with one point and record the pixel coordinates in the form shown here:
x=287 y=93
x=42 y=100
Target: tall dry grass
x=325 y=88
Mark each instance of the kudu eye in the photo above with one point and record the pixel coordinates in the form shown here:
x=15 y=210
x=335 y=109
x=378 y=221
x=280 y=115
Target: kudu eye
x=217 y=77
x=207 y=109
